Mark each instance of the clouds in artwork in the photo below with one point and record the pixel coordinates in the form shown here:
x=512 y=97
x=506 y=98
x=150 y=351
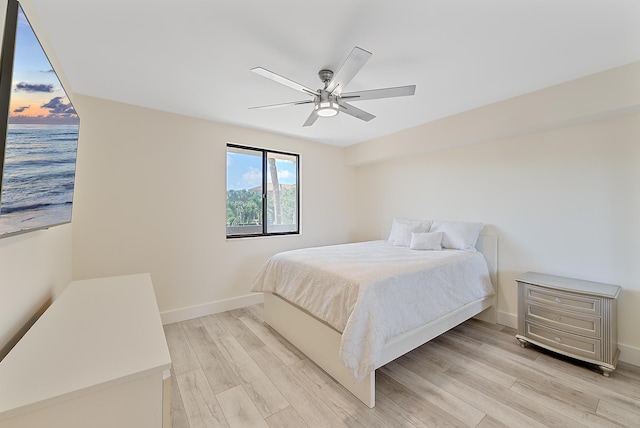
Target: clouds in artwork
x=55 y=111
x=57 y=107
x=34 y=87
x=37 y=96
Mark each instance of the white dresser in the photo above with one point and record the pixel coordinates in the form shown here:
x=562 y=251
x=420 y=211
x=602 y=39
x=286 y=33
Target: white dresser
x=96 y=358
x=570 y=316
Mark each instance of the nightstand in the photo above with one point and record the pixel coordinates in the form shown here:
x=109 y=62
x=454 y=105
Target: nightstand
x=573 y=317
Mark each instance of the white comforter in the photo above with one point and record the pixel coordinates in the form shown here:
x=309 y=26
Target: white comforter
x=372 y=291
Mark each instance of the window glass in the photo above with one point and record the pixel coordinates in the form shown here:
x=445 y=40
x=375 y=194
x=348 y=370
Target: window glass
x=261 y=184
x=282 y=191
x=244 y=191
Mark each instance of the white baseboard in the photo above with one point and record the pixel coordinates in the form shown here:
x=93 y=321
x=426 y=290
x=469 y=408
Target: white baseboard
x=509 y=320
x=191 y=312
x=628 y=354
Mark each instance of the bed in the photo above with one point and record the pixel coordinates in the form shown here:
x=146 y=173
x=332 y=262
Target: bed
x=347 y=331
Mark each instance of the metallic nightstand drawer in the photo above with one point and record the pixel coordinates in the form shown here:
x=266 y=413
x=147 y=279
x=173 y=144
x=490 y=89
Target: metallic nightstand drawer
x=571 y=344
x=562 y=300
x=584 y=325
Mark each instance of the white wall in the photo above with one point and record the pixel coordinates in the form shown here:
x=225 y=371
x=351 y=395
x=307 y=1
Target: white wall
x=609 y=93
x=150 y=197
x=563 y=201
x=34 y=267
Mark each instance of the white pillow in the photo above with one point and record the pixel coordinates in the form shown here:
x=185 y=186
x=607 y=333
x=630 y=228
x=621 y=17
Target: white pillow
x=426 y=241
x=458 y=235
x=403 y=227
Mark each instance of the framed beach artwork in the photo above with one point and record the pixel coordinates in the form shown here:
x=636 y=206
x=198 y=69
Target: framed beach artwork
x=39 y=131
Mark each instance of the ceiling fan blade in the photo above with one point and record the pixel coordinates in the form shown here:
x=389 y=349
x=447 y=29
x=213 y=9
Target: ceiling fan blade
x=354 y=62
x=283 y=80
x=354 y=111
x=311 y=119
x=293 y=103
x=400 y=91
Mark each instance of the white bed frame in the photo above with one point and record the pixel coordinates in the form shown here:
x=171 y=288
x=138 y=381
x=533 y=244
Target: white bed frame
x=321 y=343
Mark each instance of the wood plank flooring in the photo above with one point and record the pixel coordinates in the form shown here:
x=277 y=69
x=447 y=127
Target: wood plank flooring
x=231 y=370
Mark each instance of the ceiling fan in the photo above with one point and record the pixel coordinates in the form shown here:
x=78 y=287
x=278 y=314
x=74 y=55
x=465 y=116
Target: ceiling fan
x=331 y=99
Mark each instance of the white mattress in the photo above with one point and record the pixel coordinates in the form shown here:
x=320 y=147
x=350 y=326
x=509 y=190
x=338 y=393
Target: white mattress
x=372 y=291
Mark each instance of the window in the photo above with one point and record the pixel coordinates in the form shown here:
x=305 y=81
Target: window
x=263 y=195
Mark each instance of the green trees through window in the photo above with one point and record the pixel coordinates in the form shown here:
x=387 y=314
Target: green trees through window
x=261 y=184
x=244 y=207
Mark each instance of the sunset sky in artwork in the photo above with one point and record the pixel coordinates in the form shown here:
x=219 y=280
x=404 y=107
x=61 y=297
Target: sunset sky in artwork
x=36 y=94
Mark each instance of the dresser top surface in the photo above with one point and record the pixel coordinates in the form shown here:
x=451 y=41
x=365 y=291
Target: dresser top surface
x=98 y=332
x=570 y=284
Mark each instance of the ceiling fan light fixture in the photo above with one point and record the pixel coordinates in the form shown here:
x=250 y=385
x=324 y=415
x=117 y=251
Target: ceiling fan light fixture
x=327 y=107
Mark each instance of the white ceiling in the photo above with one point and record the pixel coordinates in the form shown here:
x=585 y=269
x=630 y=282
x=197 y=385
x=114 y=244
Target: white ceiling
x=193 y=57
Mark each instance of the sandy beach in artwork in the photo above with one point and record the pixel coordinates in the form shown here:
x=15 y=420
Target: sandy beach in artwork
x=20 y=222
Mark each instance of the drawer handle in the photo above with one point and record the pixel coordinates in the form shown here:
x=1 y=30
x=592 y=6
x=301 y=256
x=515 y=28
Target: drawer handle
x=558 y=300
x=557 y=339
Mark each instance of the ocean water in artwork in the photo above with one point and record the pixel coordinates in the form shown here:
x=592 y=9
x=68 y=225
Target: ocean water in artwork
x=39 y=176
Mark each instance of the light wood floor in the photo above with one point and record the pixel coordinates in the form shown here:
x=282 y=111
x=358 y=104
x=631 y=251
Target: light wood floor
x=231 y=370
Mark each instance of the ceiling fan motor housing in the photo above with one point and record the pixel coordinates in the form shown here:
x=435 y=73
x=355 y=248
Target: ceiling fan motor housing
x=325 y=76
